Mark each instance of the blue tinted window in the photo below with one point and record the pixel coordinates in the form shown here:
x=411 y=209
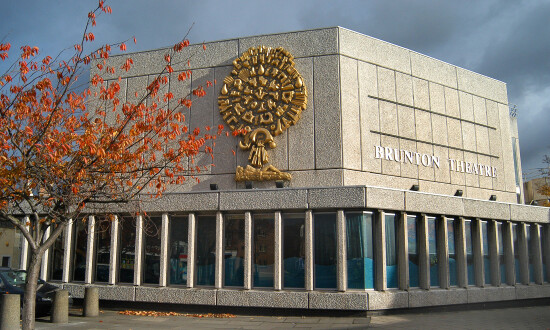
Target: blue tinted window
x=360 y=250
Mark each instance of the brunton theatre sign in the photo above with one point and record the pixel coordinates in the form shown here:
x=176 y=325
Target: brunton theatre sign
x=419 y=159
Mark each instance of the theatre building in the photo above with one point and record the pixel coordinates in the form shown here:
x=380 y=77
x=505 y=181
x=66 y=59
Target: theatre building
x=372 y=177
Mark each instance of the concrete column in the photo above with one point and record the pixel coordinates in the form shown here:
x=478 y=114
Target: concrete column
x=24 y=247
x=91 y=302
x=537 y=253
x=191 y=254
x=278 y=264
x=309 y=250
x=508 y=245
x=46 y=258
x=114 y=255
x=164 y=249
x=218 y=273
x=523 y=253
x=460 y=249
x=423 y=253
x=494 y=252
x=90 y=251
x=341 y=255
x=10 y=314
x=477 y=242
x=60 y=307
x=403 y=251
x=248 y=233
x=546 y=250
x=443 y=252
x=138 y=262
x=379 y=239
x=67 y=256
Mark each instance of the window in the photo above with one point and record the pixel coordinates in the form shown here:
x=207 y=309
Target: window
x=469 y=252
x=178 y=250
x=412 y=231
x=57 y=253
x=294 y=250
x=501 y=255
x=234 y=250
x=6 y=261
x=532 y=250
x=127 y=242
x=433 y=226
x=486 y=252
x=515 y=229
x=103 y=248
x=324 y=226
x=360 y=252
x=151 y=237
x=80 y=248
x=264 y=251
x=206 y=250
x=391 y=250
x=451 y=239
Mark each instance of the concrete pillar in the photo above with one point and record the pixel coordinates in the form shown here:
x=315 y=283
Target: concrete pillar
x=309 y=250
x=443 y=252
x=423 y=253
x=509 y=253
x=90 y=251
x=46 y=258
x=537 y=253
x=67 y=256
x=248 y=233
x=460 y=249
x=546 y=250
x=278 y=264
x=164 y=249
x=191 y=253
x=477 y=242
x=494 y=252
x=341 y=253
x=91 y=302
x=10 y=314
x=523 y=253
x=138 y=262
x=114 y=255
x=379 y=239
x=403 y=251
x=218 y=270
x=60 y=307
x=24 y=247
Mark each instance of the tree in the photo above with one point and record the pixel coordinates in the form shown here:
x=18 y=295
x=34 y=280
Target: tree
x=66 y=152
x=545 y=189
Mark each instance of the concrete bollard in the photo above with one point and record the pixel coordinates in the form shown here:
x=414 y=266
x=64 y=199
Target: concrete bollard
x=91 y=302
x=10 y=311
x=60 y=307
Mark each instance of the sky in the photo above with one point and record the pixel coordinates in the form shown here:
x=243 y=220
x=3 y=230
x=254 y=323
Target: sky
x=508 y=40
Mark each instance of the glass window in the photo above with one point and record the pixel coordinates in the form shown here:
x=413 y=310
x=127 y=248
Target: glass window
x=178 y=250
x=544 y=242
x=103 y=248
x=206 y=250
x=127 y=241
x=11 y=245
x=234 y=250
x=501 y=255
x=325 y=250
x=515 y=229
x=469 y=252
x=294 y=250
x=151 y=236
x=432 y=251
x=264 y=251
x=360 y=252
x=57 y=253
x=391 y=250
x=451 y=239
x=531 y=248
x=80 y=247
x=486 y=252
x=412 y=232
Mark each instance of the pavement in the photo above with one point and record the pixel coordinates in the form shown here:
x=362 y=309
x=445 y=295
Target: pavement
x=537 y=317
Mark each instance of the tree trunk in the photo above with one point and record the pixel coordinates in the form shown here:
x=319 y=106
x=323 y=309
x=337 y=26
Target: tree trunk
x=29 y=301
